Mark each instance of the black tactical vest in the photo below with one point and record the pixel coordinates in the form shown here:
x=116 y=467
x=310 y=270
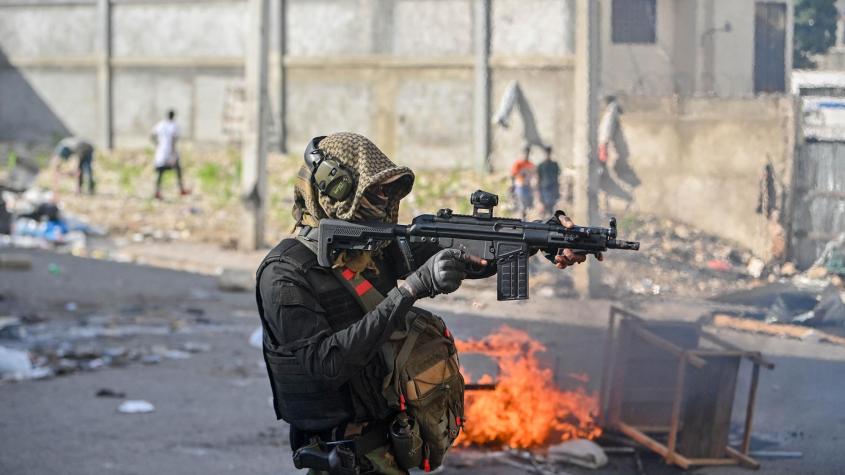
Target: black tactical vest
x=302 y=400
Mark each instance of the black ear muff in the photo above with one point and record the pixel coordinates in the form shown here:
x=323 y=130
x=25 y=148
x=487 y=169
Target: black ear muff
x=327 y=174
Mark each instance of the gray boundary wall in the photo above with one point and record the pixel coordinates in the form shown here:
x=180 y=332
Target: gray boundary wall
x=400 y=71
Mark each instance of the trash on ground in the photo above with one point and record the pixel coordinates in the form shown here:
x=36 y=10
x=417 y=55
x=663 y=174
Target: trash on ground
x=256 y=340
x=106 y=392
x=582 y=452
x=14 y=364
x=720 y=265
x=11 y=328
x=135 y=406
x=10 y=261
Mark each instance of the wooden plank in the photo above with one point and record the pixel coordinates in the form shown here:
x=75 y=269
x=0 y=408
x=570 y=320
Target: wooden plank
x=652 y=444
x=754 y=326
x=607 y=367
x=674 y=421
x=708 y=399
x=617 y=383
x=749 y=409
x=742 y=459
x=712 y=461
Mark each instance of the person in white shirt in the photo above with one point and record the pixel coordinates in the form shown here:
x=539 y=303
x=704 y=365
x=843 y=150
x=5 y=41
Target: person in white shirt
x=616 y=177
x=165 y=135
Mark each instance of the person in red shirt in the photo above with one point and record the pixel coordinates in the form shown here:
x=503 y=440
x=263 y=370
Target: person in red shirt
x=523 y=174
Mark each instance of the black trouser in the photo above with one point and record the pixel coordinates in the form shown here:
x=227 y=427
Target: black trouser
x=86 y=169
x=161 y=171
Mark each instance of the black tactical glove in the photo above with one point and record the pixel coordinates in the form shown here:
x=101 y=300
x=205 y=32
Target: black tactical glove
x=442 y=273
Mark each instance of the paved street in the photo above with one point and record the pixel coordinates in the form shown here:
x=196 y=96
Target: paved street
x=212 y=410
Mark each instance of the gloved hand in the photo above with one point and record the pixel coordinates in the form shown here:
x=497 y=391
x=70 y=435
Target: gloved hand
x=442 y=273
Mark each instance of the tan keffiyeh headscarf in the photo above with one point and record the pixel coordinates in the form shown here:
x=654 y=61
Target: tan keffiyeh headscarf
x=368 y=165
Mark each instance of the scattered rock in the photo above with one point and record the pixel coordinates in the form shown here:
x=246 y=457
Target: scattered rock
x=816 y=272
x=788 y=269
x=755 y=267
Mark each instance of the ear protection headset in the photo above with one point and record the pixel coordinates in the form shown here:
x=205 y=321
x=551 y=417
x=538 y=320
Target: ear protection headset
x=327 y=174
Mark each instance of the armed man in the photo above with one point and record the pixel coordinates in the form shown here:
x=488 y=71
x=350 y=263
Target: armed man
x=367 y=382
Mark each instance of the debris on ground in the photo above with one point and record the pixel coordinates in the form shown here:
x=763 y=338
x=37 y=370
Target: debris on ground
x=135 y=406
x=11 y=261
x=582 y=452
x=14 y=364
x=256 y=339
x=110 y=393
x=775 y=329
x=11 y=328
x=680 y=260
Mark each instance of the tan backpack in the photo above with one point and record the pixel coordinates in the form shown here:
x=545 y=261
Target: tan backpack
x=423 y=382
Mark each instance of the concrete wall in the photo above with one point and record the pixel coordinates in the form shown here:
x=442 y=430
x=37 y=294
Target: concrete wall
x=700 y=160
x=400 y=71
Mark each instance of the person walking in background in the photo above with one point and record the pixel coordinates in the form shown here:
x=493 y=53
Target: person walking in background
x=548 y=178
x=523 y=174
x=84 y=152
x=165 y=135
x=616 y=177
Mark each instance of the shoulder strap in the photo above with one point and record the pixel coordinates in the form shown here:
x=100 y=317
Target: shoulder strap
x=367 y=296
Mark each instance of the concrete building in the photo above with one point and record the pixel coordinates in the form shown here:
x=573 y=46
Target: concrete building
x=721 y=48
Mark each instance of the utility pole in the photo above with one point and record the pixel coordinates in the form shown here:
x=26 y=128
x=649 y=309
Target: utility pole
x=481 y=18
x=587 y=61
x=254 y=149
x=280 y=77
x=104 y=76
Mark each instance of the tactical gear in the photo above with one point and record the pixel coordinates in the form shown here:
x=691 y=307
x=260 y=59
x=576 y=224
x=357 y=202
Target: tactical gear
x=441 y=274
x=415 y=372
x=303 y=399
x=423 y=381
x=367 y=165
x=331 y=178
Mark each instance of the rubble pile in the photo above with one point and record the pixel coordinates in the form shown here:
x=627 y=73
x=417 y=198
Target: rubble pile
x=680 y=260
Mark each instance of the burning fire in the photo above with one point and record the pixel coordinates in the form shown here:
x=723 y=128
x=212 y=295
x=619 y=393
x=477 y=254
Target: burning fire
x=526 y=408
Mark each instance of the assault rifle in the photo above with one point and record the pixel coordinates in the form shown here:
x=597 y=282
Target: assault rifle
x=506 y=243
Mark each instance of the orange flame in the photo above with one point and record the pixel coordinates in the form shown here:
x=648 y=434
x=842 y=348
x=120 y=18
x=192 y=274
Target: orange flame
x=526 y=408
